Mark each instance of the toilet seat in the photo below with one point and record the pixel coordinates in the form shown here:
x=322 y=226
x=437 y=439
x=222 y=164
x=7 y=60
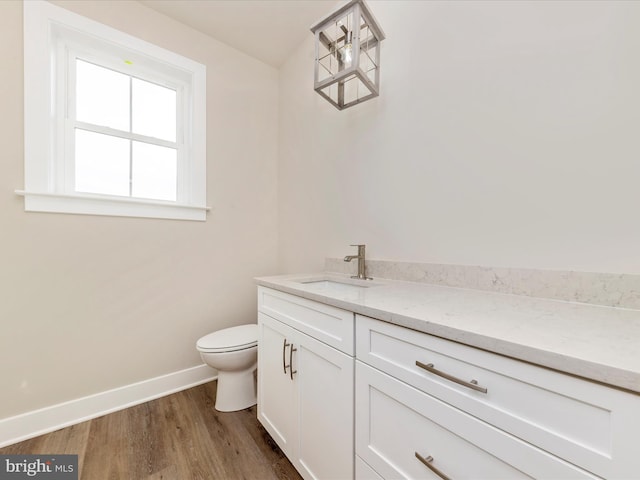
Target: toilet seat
x=229 y=339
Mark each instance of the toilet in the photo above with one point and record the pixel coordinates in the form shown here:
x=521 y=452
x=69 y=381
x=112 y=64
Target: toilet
x=234 y=353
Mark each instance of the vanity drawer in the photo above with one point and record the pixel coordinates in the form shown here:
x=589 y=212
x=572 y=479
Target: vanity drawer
x=396 y=424
x=328 y=324
x=585 y=423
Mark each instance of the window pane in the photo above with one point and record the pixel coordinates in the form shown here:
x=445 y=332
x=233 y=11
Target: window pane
x=154 y=110
x=102 y=163
x=154 y=172
x=102 y=96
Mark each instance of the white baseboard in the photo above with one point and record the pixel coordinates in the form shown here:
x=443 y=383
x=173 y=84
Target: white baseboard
x=45 y=420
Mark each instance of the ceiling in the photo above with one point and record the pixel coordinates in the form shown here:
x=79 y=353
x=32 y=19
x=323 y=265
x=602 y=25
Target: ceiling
x=268 y=30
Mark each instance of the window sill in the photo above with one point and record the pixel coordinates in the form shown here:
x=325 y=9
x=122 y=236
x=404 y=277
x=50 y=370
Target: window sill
x=111 y=206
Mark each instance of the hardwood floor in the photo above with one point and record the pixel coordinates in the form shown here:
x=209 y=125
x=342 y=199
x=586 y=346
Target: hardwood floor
x=177 y=437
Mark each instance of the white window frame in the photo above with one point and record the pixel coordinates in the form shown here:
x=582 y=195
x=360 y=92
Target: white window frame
x=53 y=38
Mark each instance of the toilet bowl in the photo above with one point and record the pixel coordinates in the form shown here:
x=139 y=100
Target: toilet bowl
x=234 y=353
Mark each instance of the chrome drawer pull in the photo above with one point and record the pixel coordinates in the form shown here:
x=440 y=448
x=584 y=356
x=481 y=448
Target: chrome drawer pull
x=291 y=370
x=473 y=384
x=284 y=348
x=427 y=462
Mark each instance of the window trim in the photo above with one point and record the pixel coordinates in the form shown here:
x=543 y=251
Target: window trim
x=46 y=118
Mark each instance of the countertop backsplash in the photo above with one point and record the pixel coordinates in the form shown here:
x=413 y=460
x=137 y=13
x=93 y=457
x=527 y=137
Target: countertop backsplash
x=608 y=289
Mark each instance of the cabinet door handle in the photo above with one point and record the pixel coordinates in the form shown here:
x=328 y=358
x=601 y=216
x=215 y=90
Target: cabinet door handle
x=284 y=362
x=291 y=370
x=473 y=384
x=428 y=463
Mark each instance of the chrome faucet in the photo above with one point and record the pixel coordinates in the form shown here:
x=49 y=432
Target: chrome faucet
x=361 y=272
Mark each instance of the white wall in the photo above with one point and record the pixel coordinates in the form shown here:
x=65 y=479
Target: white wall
x=506 y=134
x=93 y=303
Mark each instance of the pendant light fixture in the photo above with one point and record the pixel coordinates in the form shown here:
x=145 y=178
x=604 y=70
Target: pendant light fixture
x=347 y=60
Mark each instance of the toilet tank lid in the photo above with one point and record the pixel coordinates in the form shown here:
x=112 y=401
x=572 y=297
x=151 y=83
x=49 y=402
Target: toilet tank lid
x=230 y=337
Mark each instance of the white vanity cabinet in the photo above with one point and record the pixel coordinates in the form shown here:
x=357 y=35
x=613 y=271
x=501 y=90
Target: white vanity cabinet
x=345 y=395
x=305 y=382
x=431 y=408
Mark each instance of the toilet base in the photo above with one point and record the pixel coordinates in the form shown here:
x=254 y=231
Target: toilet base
x=236 y=390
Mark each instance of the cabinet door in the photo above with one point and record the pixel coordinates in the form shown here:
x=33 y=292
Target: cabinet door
x=276 y=394
x=325 y=410
x=364 y=471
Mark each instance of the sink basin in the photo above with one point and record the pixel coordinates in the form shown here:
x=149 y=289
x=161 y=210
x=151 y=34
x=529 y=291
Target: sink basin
x=333 y=286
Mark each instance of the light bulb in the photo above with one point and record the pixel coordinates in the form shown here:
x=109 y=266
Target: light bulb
x=348 y=49
x=346 y=54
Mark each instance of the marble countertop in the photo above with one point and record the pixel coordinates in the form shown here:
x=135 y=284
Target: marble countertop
x=594 y=342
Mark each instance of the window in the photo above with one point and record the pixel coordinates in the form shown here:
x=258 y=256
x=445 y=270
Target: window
x=123 y=121
x=123 y=130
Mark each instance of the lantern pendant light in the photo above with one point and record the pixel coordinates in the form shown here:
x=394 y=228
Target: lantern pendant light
x=347 y=60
